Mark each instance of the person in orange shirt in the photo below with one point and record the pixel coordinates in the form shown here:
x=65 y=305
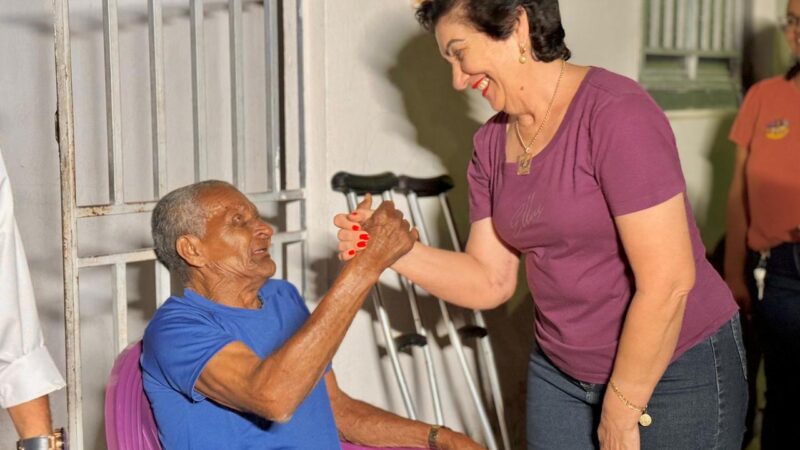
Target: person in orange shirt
x=762 y=251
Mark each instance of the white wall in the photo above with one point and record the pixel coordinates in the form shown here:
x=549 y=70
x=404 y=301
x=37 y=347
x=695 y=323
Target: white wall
x=378 y=98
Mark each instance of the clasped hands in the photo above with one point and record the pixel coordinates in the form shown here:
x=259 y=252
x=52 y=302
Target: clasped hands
x=381 y=235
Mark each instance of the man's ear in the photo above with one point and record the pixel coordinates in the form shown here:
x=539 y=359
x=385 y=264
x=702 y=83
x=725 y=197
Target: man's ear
x=190 y=249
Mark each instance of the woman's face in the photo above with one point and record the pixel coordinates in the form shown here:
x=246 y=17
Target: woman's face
x=792 y=30
x=478 y=61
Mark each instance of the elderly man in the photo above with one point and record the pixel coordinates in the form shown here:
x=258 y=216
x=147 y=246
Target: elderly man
x=237 y=361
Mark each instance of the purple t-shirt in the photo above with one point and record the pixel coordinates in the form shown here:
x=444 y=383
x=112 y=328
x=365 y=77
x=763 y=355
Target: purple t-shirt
x=613 y=154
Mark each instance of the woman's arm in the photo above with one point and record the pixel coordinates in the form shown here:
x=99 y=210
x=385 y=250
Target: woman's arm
x=482 y=277
x=736 y=234
x=658 y=246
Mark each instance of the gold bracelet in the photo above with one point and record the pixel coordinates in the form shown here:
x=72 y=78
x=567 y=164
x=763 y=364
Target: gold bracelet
x=644 y=419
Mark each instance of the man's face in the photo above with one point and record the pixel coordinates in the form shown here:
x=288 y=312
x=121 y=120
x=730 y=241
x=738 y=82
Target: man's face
x=236 y=241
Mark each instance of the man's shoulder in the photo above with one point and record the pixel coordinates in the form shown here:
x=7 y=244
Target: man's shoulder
x=177 y=311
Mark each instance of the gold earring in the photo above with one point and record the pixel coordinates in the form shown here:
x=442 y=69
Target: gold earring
x=522 y=57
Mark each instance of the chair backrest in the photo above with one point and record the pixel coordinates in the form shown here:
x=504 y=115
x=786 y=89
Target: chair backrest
x=129 y=420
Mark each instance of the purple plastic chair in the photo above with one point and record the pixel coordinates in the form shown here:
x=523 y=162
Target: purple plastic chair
x=129 y=420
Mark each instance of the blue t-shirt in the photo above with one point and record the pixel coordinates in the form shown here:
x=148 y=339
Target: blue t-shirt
x=185 y=333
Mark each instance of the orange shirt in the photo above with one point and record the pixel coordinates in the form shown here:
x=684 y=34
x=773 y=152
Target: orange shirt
x=768 y=125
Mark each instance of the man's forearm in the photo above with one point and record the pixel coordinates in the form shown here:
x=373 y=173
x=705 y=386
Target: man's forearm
x=364 y=424
x=32 y=418
x=295 y=369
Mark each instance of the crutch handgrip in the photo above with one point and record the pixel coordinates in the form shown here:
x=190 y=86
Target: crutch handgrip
x=472 y=332
x=424 y=187
x=404 y=342
x=362 y=184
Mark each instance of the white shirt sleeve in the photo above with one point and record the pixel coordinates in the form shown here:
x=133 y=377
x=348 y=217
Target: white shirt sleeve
x=27 y=371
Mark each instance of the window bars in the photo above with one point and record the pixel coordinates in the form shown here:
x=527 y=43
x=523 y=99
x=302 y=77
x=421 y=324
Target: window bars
x=284 y=153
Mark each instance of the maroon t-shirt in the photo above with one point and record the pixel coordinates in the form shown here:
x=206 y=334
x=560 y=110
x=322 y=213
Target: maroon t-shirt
x=613 y=154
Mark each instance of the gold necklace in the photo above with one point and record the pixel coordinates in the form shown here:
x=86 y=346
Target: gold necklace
x=524 y=160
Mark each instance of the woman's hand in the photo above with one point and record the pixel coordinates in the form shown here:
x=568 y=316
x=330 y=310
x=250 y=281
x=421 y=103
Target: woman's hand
x=738 y=286
x=352 y=236
x=619 y=425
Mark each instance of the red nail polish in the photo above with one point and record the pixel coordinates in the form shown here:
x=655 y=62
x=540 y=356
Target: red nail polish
x=353 y=214
x=361 y=244
x=356 y=227
x=351 y=252
x=363 y=236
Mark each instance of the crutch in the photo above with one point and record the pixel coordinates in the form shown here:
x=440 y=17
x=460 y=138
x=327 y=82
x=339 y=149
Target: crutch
x=414 y=188
x=382 y=184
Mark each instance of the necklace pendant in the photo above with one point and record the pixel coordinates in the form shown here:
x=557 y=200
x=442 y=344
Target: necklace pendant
x=645 y=420
x=524 y=164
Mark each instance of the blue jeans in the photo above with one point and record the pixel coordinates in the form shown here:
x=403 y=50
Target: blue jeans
x=699 y=403
x=777 y=322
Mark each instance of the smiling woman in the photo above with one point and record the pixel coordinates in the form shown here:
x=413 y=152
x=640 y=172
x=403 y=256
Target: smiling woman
x=579 y=174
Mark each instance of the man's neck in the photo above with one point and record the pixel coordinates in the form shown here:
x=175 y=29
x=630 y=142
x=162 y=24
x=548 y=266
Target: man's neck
x=235 y=293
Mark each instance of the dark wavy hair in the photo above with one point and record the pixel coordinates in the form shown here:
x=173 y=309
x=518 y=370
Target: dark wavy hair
x=793 y=71
x=497 y=18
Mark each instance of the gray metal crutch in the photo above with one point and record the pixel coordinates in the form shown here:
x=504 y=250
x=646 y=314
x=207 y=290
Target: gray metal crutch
x=382 y=184
x=414 y=188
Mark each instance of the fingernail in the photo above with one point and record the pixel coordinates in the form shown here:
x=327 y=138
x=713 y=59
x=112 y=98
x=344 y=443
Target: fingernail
x=361 y=244
x=364 y=237
x=354 y=214
x=351 y=252
x=356 y=227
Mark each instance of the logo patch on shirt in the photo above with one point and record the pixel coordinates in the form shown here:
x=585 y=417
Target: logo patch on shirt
x=777 y=129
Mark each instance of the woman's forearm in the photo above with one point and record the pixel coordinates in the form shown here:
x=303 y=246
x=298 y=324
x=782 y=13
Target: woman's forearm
x=459 y=278
x=648 y=341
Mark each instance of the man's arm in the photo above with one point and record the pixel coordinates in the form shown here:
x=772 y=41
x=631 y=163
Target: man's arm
x=364 y=424
x=32 y=418
x=274 y=387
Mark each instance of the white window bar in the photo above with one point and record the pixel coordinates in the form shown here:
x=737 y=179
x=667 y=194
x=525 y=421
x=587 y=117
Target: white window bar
x=113 y=113
x=119 y=307
x=668 y=27
x=155 y=25
x=718 y=29
x=198 y=88
x=66 y=144
x=705 y=25
x=290 y=241
x=237 y=92
x=730 y=22
x=654 y=37
x=272 y=41
x=692 y=21
x=680 y=24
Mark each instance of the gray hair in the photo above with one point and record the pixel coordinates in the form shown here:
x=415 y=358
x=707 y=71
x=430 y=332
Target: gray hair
x=177 y=214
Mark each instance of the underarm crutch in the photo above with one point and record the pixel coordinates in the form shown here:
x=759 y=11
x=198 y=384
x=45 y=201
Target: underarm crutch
x=382 y=184
x=414 y=188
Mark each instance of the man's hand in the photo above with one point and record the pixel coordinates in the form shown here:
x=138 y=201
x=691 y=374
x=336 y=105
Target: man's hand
x=619 y=425
x=390 y=236
x=452 y=440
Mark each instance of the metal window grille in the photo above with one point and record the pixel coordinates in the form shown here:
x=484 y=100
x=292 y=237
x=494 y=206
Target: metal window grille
x=284 y=195
x=692 y=51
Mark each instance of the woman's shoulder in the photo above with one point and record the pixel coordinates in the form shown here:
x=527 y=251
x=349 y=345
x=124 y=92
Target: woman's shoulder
x=769 y=86
x=605 y=83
